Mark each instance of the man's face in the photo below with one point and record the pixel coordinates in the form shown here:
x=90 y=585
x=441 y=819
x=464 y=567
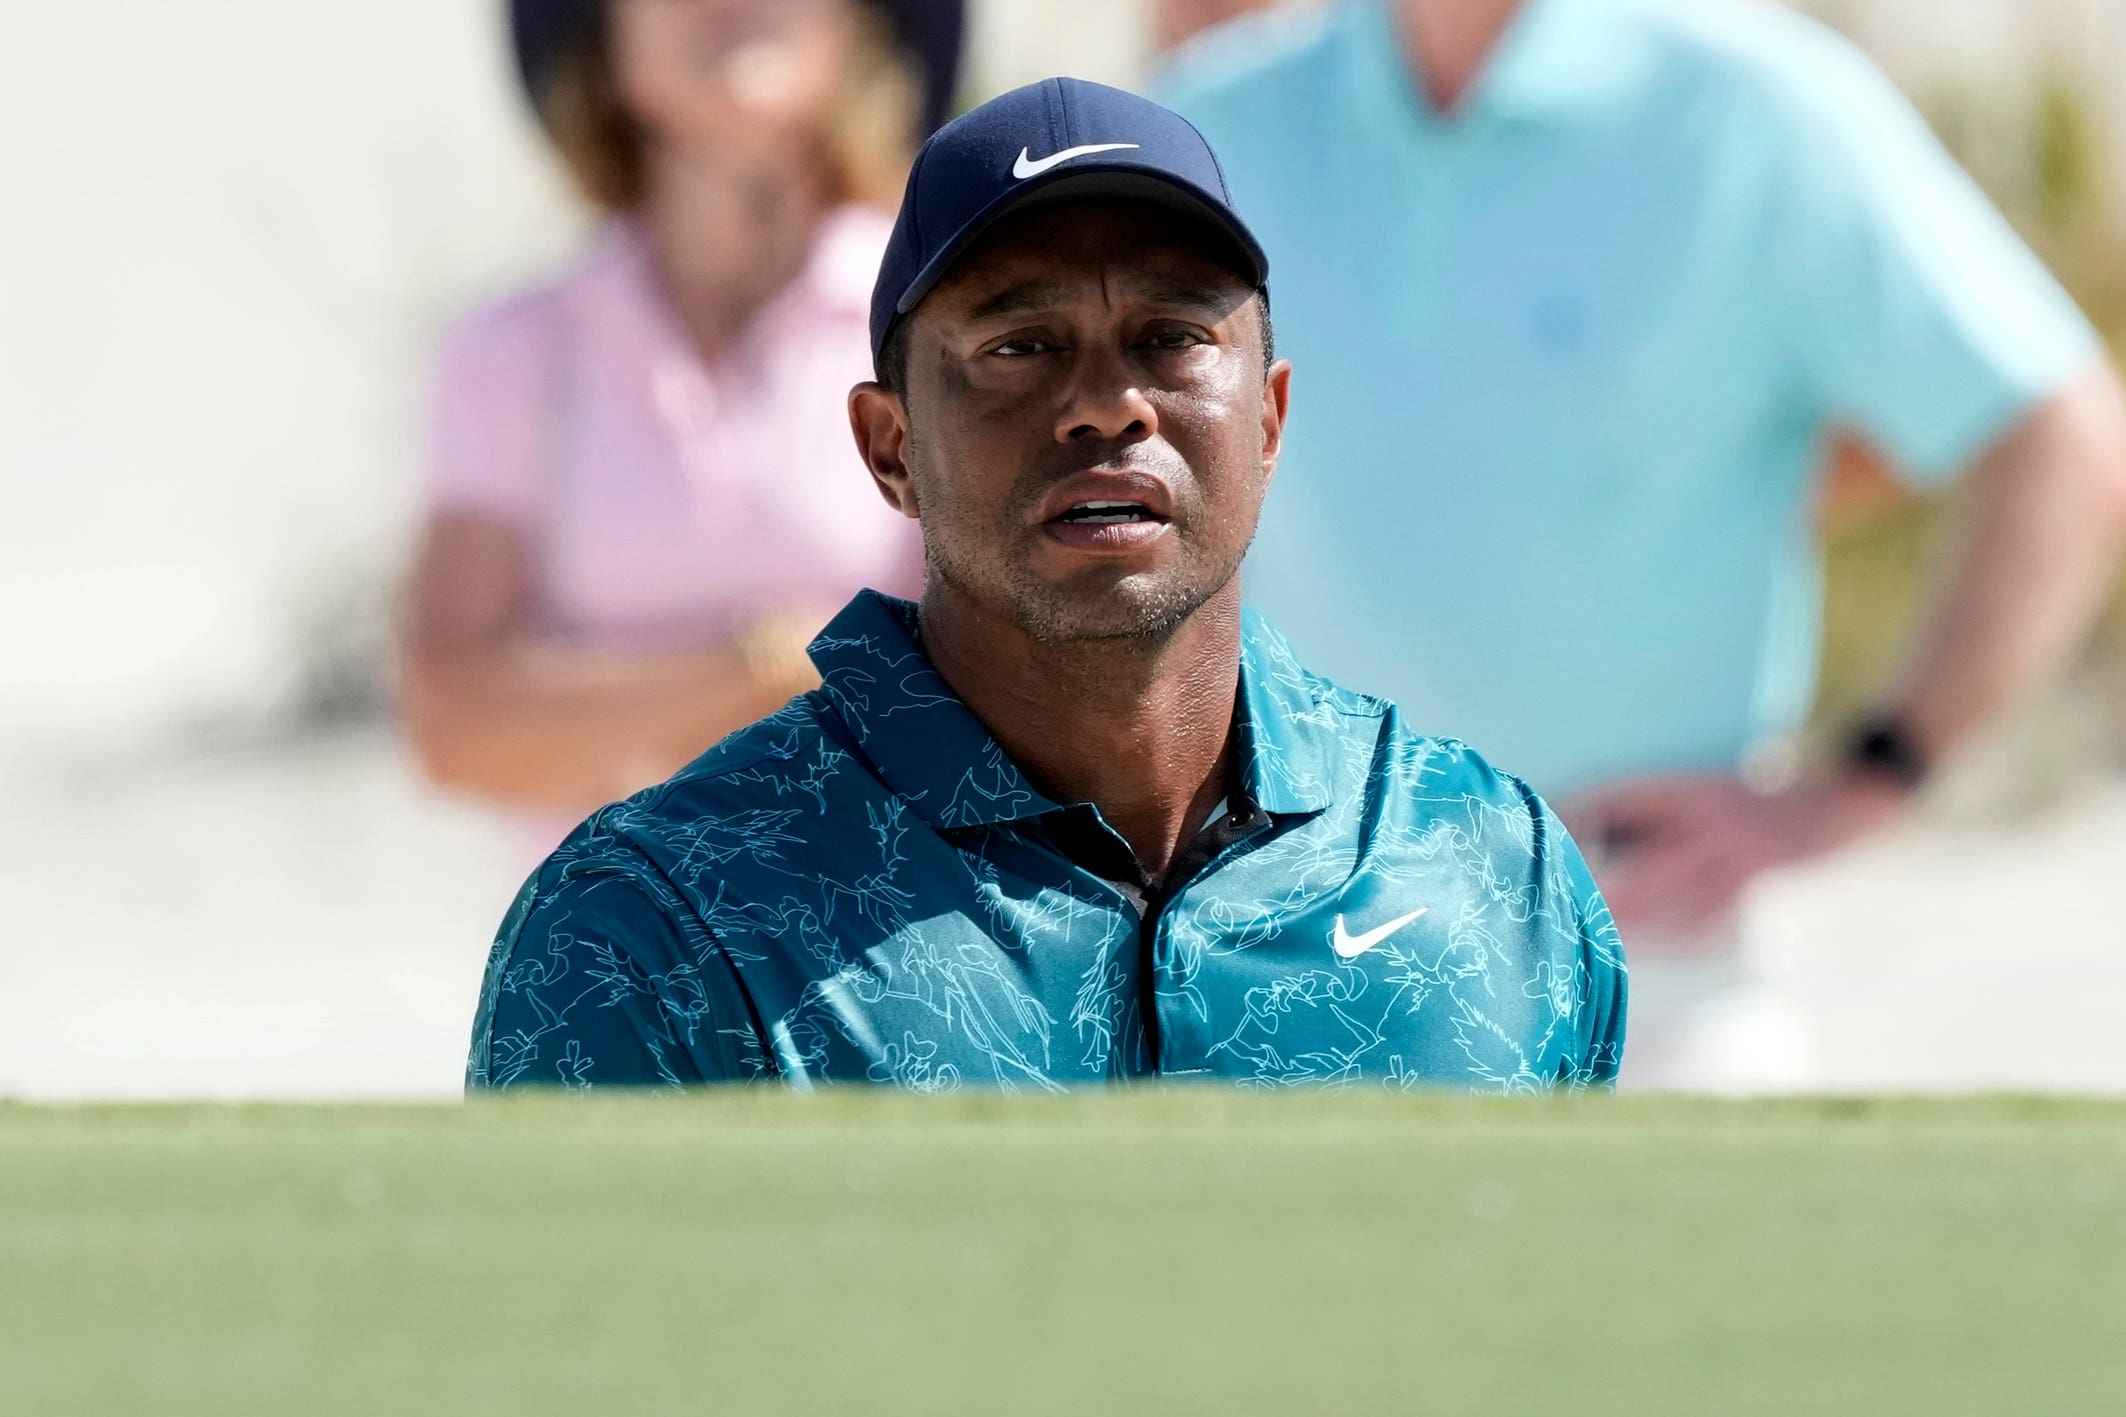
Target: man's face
x=1088 y=428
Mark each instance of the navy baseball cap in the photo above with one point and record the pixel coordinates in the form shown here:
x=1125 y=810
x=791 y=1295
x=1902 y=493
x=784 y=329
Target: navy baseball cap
x=1057 y=139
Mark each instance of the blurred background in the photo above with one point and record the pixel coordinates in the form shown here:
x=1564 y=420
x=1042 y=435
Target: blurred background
x=237 y=232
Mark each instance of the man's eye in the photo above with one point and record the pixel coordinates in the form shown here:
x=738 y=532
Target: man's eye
x=1175 y=339
x=1026 y=345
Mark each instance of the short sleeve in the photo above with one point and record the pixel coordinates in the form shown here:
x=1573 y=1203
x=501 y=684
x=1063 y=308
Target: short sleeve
x=1606 y=981
x=1919 y=316
x=600 y=976
x=489 y=415
x=1586 y=973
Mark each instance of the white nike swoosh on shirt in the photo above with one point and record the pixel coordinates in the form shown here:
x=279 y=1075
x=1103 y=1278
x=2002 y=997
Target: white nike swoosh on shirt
x=1026 y=167
x=1349 y=946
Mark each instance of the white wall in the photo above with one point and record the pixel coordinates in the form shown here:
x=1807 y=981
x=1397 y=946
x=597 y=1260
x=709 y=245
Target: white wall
x=231 y=226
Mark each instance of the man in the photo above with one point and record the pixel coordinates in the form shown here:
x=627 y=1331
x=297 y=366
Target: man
x=1578 y=287
x=1076 y=817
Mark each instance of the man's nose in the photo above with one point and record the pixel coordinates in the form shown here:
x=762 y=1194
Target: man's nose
x=1105 y=401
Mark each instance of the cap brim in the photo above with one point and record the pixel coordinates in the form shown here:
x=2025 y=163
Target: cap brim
x=1094 y=181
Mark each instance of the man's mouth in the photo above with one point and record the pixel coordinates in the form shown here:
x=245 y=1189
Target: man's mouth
x=1108 y=514
x=1107 y=526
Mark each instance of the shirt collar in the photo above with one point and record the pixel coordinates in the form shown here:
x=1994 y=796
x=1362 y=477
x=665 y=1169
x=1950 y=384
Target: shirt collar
x=930 y=750
x=1555 y=59
x=1288 y=730
x=937 y=757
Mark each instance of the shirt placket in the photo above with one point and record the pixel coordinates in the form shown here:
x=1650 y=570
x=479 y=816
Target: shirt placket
x=1177 y=1025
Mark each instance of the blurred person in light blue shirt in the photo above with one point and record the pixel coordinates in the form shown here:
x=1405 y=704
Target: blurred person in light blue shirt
x=1577 y=289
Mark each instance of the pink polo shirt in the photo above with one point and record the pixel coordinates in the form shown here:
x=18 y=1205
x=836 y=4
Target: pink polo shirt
x=663 y=497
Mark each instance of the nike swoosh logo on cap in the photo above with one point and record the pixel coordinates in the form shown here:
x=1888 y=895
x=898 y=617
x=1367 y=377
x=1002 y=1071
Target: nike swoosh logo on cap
x=1349 y=946
x=1027 y=167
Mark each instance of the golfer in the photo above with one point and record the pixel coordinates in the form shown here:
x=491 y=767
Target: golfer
x=1077 y=816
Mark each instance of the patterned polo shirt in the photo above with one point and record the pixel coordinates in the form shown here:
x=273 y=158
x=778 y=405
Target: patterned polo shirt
x=864 y=888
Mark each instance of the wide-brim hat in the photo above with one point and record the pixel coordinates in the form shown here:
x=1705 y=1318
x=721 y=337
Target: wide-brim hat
x=931 y=32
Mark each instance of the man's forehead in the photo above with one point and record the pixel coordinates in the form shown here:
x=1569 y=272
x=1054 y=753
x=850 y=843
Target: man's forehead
x=1135 y=244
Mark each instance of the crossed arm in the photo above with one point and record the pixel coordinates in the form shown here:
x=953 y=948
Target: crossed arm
x=494 y=710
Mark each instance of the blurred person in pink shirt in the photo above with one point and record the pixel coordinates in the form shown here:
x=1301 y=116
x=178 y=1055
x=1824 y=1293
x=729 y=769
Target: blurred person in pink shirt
x=642 y=501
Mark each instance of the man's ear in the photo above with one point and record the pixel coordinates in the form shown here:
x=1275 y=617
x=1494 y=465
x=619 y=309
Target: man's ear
x=880 y=422
x=1276 y=403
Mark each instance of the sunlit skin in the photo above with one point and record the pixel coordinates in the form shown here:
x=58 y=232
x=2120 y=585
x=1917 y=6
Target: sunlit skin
x=1089 y=352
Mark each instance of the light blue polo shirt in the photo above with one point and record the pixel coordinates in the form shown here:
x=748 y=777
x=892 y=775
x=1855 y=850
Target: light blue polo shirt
x=1563 y=362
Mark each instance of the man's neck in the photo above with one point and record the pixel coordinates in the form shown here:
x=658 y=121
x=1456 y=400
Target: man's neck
x=1142 y=729
x=1448 y=43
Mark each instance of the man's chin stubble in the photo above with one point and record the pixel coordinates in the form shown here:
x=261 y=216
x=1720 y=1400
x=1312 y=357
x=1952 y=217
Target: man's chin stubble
x=1122 y=615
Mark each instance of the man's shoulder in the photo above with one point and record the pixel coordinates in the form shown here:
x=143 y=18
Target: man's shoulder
x=797 y=732
x=1445 y=770
x=749 y=789
x=1431 y=766
x=1375 y=732
x=1753 y=48
x=1298 y=692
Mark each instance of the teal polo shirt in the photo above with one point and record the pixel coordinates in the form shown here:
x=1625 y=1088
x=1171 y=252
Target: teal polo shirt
x=863 y=888
x=1563 y=361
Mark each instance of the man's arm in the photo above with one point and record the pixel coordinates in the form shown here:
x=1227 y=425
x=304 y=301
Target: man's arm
x=600 y=977
x=2042 y=548
x=493 y=710
x=2047 y=525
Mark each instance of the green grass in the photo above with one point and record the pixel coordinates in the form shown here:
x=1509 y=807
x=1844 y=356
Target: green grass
x=1178 y=1252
